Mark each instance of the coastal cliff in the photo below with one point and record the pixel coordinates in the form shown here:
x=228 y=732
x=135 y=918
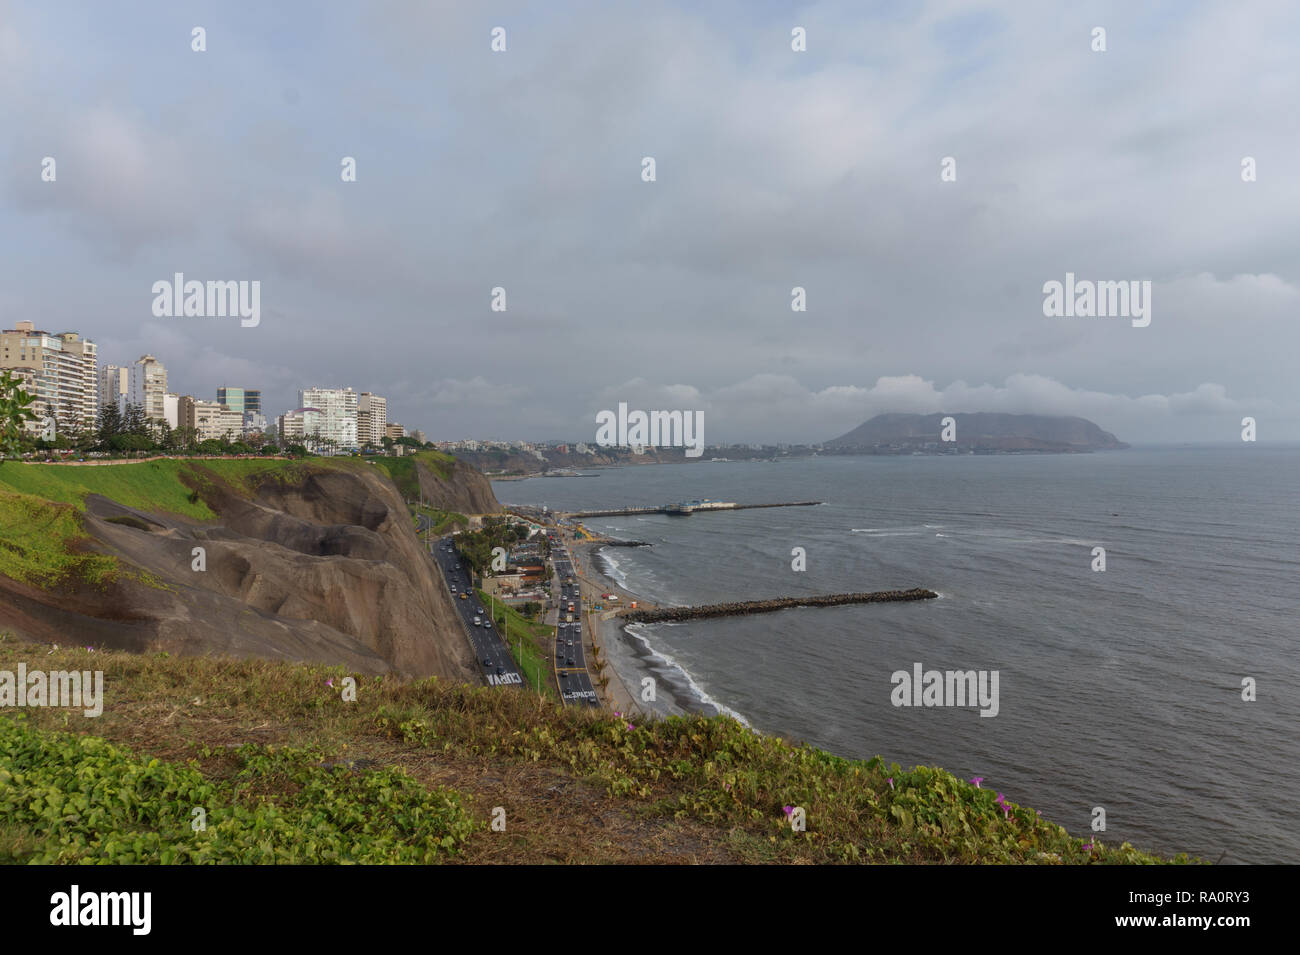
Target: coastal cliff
x=306 y=561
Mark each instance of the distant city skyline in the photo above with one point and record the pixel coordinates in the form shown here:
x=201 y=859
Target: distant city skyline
x=915 y=179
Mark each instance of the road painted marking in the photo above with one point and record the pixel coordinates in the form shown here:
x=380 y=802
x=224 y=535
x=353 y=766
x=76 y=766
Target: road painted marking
x=503 y=679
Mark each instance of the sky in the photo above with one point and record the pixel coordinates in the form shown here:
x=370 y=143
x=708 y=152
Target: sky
x=522 y=169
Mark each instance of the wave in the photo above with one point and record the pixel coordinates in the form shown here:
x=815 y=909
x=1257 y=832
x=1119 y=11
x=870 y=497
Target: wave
x=669 y=662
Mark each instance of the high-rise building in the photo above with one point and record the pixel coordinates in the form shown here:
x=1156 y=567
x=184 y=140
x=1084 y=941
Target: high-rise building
x=149 y=386
x=58 y=370
x=372 y=419
x=394 y=431
x=114 y=386
x=172 y=410
x=243 y=400
x=337 y=408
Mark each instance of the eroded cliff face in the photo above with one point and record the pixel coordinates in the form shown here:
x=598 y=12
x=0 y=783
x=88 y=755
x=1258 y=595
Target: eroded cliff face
x=466 y=491
x=324 y=566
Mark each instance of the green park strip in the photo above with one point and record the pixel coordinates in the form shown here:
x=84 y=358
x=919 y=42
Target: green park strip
x=531 y=653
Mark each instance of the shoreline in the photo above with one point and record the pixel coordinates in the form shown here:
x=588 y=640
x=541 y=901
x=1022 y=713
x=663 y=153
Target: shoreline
x=629 y=655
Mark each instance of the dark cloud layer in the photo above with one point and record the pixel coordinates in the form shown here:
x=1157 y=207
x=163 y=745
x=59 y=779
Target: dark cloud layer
x=775 y=169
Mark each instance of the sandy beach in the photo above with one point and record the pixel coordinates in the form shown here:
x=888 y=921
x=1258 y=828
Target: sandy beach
x=629 y=660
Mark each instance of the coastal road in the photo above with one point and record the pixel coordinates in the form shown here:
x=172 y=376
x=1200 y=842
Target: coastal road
x=489 y=647
x=570 y=662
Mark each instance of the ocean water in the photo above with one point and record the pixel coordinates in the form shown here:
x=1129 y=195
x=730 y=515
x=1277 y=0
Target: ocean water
x=1119 y=689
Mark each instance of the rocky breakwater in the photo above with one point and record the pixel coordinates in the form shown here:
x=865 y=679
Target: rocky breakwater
x=742 y=608
x=308 y=562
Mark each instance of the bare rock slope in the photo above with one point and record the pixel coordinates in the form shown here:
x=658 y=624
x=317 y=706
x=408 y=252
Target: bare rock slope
x=321 y=565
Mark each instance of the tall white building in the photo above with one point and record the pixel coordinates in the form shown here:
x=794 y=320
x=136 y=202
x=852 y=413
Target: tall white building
x=171 y=410
x=337 y=415
x=58 y=370
x=149 y=387
x=372 y=419
x=114 y=386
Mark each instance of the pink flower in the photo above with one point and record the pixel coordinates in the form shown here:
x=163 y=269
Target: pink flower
x=787 y=809
x=976 y=780
x=630 y=726
x=891 y=782
x=1088 y=846
x=1002 y=804
x=617 y=713
x=330 y=682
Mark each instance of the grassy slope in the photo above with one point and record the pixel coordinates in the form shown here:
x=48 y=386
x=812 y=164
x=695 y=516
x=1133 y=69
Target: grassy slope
x=40 y=507
x=576 y=786
x=402 y=470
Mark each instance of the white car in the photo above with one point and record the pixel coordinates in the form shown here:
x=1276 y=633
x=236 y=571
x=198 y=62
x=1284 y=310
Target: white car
x=478 y=621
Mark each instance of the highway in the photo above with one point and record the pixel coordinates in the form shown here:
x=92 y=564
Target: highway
x=489 y=647
x=570 y=663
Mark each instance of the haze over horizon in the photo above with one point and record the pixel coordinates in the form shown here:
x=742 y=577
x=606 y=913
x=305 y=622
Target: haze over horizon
x=774 y=169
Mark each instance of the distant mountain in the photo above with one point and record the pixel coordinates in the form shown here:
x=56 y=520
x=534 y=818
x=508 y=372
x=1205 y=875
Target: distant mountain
x=976 y=432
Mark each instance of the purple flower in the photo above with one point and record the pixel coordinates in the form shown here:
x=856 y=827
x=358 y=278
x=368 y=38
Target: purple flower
x=976 y=780
x=630 y=726
x=330 y=682
x=787 y=809
x=1002 y=804
x=1088 y=846
x=617 y=714
x=891 y=782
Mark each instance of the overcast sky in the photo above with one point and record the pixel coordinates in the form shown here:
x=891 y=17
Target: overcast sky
x=774 y=168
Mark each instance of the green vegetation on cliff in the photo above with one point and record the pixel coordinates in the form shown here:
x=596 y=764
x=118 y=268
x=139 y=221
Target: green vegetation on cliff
x=39 y=543
x=41 y=532
x=245 y=739
x=402 y=470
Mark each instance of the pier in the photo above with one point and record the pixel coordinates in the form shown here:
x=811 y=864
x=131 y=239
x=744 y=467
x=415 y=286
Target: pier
x=685 y=509
x=741 y=608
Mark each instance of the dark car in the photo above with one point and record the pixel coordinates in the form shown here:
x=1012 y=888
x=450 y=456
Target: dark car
x=568 y=661
x=487 y=662
x=500 y=670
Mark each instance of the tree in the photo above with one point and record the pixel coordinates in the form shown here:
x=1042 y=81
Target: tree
x=134 y=421
x=110 y=423
x=15 y=412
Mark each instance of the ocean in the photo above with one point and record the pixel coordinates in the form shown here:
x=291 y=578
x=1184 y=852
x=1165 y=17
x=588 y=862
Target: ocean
x=1119 y=689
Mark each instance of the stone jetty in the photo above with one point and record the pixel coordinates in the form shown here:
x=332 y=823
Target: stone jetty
x=742 y=608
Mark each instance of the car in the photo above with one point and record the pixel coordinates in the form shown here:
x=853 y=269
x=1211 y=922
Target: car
x=464 y=596
x=487 y=662
x=478 y=621
x=481 y=610
x=500 y=670
x=487 y=623
x=568 y=661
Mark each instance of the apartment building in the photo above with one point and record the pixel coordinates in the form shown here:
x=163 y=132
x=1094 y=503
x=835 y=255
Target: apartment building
x=149 y=387
x=337 y=409
x=58 y=370
x=372 y=419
